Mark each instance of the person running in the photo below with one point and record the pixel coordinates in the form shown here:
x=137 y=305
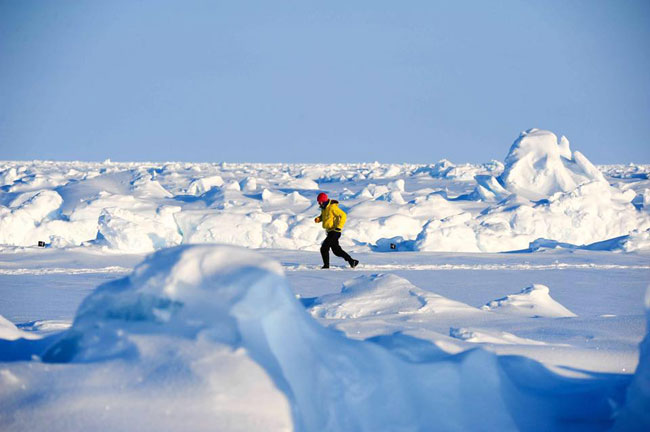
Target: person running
x=333 y=219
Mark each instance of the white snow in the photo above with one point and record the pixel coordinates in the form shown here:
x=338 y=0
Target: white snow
x=637 y=240
x=123 y=229
x=380 y=294
x=533 y=301
x=8 y=331
x=538 y=166
x=491 y=337
x=27 y=218
x=545 y=192
x=204 y=184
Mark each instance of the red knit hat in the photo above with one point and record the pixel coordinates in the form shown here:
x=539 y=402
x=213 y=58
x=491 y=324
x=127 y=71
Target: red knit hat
x=322 y=197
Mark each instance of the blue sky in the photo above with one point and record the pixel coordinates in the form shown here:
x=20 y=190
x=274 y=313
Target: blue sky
x=334 y=81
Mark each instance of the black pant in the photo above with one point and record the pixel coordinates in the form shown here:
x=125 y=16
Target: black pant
x=332 y=242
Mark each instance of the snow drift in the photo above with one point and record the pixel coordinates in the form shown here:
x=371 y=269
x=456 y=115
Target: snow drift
x=8 y=331
x=382 y=294
x=211 y=336
x=533 y=301
x=489 y=337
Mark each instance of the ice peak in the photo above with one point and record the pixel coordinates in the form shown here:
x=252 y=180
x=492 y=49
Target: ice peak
x=539 y=165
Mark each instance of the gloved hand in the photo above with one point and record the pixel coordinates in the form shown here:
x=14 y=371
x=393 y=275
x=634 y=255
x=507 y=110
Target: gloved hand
x=317 y=220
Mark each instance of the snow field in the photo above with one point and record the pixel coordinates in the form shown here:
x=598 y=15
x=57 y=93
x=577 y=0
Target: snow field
x=442 y=335
x=212 y=336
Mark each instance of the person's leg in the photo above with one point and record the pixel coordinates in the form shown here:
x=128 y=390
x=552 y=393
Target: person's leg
x=336 y=248
x=325 y=250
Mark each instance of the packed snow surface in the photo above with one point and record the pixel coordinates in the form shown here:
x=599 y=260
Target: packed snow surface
x=544 y=190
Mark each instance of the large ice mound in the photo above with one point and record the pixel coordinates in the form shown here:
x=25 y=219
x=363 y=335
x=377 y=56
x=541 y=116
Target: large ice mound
x=545 y=192
x=539 y=165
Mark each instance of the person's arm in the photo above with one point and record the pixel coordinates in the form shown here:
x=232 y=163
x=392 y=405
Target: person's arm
x=318 y=219
x=340 y=219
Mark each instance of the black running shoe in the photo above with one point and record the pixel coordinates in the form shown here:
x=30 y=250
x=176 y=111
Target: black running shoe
x=354 y=263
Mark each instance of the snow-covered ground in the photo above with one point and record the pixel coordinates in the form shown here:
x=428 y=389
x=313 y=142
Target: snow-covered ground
x=502 y=296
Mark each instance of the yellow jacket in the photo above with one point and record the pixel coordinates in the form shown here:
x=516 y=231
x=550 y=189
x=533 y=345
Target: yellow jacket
x=332 y=217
